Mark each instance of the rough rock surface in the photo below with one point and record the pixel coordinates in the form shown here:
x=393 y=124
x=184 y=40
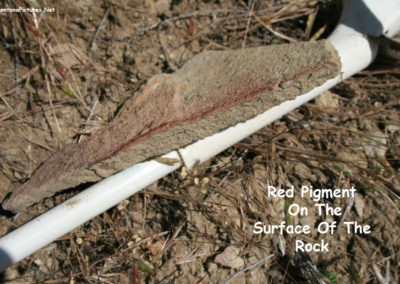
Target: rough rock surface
x=214 y=90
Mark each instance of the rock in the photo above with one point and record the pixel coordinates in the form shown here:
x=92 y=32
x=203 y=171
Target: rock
x=229 y=258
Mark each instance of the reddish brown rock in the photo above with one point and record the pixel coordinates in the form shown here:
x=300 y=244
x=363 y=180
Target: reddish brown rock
x=214 y=90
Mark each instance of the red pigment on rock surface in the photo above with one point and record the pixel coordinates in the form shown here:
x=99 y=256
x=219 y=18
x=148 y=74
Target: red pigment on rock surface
x=211 y=92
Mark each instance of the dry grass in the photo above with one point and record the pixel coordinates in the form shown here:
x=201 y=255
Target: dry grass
x=173 y=230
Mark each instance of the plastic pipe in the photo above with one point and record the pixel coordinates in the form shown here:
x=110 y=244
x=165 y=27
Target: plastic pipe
x=84 y=206
x=355 y=51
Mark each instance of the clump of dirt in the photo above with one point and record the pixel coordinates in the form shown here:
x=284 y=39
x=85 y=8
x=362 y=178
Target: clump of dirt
x=68 y=74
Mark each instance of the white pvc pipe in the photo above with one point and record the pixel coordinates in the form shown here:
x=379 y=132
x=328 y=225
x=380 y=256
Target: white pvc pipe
x=84 y=206
x=355 y=52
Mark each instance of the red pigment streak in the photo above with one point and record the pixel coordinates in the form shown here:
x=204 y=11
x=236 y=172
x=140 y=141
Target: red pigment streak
x=216 y=106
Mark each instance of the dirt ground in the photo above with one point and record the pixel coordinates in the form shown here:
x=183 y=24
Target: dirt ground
x=65 y=74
